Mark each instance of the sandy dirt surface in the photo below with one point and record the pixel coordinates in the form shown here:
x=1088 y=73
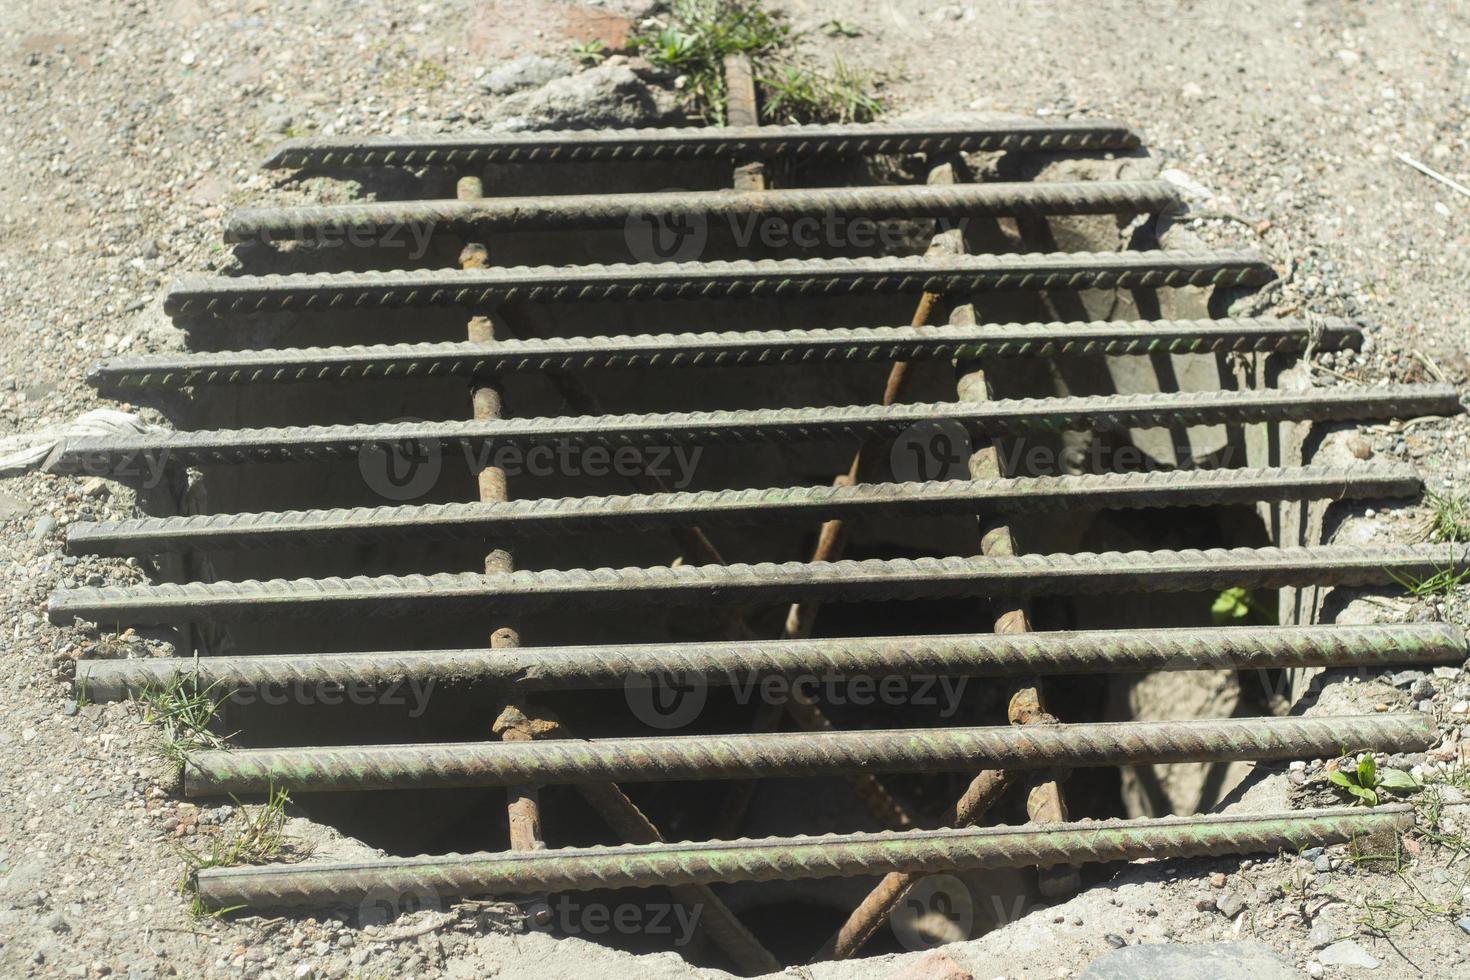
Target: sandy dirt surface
x=128 y=130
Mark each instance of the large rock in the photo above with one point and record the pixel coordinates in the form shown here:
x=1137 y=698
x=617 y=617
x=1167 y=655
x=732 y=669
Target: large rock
x=1202 y=961
x=608 y=96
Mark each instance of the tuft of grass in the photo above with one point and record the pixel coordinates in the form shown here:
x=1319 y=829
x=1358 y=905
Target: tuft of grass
x=256 y=836
x=799 y=94
x=184 y=715
x=702 y=33
x=1429 y=820
x=1449 y=517
x=1443 y=582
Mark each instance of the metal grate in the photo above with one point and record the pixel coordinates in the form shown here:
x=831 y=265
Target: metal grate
x=534 y=752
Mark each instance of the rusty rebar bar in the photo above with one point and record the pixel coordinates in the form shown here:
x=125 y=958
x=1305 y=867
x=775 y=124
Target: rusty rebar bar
x=399 y=222
x=856 y=345
x=523 y=802
x=1026 y=704
x=919 y=851
x=140 y=455
x=632 y=826
x=741 y=663
x=659 y=511
x=745 y=585
x=797 y=754
x=750 y=181
x=702 y=143
x=221 y=295
x=716 y=919
x=831 y=543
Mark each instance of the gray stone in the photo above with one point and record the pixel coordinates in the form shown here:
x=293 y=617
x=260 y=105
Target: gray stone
x=43 y=527
x=607 y=96
x=527 y=71
x=1230 y=904
x=1203 y=961
x=1406 y=678
x=1464 y=924
x=1347 y=953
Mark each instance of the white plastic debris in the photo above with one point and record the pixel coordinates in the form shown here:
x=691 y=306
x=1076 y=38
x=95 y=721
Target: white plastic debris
x=29 y=450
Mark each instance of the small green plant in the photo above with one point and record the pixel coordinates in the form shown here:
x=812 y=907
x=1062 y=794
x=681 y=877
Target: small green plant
x=1361 y=780
x=184 y=715
x=1237 y=605
x=589 y=52
x=1449 y=516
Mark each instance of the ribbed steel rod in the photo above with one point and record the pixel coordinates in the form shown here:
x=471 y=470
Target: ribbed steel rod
x=785 y=858
x=575 y=212
x=713 y=280
x=736 y=663
x=635 y=145
x=120 y=455
x=742 y=585
x=709 y=508
x=792 y=754
x=748 y=348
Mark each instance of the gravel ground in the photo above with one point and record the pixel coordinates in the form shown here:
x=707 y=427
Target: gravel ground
x=131 y=129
